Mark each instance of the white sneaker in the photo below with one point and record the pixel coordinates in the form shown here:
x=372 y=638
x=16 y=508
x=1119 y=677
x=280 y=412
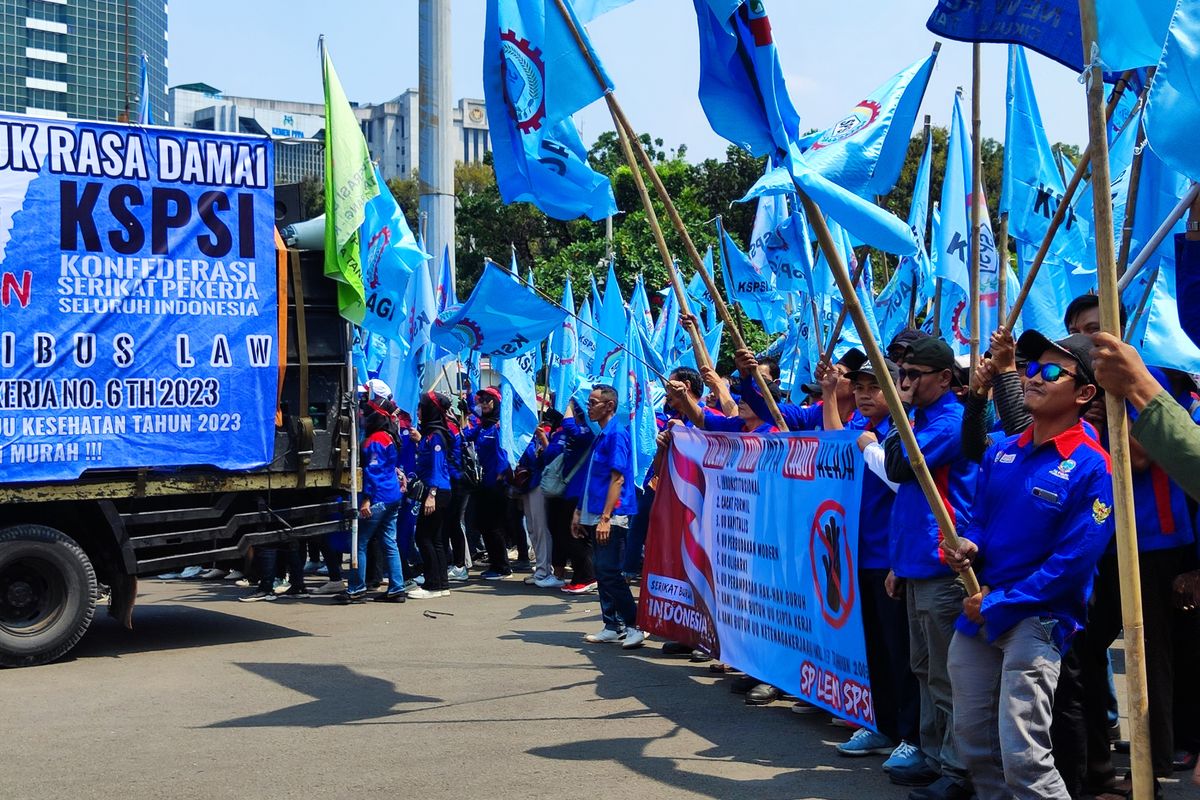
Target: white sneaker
x=234 y=575
x=212 y=574
x=633 y=639
x=549 y=582
x=410 y=586
x=330 y=587
x=605 y=636
x=242 y=582
x=281 y=586
x=423 y=594
x=169 y=576
x=191 y=572
x=457 y=574
x=444 y=593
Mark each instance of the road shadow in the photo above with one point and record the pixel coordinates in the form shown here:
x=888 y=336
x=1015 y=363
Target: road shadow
x=795 y=752
x=340 y=696
x=172 y=626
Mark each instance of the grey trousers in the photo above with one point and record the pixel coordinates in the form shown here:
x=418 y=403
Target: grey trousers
x=933 y=606
x=539 y=532
x=1003 y=708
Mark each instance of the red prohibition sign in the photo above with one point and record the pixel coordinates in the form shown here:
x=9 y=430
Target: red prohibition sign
x=846 y=592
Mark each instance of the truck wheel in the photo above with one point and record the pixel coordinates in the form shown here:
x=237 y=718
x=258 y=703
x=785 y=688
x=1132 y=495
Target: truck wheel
x=48 y=595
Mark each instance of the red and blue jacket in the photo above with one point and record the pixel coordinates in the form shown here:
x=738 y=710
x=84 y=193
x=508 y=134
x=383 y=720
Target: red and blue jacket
x=380 y=482
x=1042 y=518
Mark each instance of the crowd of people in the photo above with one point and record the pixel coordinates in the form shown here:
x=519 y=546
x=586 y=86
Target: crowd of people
x=1007 y=692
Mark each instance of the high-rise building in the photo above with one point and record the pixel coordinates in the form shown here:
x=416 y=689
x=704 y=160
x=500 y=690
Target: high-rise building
x=390 y=128
x=82 y=58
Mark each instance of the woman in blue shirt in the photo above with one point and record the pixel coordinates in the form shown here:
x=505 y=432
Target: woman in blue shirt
x=433 y=469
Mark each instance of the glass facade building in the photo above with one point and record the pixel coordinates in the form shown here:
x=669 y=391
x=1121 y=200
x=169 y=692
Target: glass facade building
x=82 y=58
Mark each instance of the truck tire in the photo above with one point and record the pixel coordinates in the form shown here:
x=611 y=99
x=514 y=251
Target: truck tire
x=48 y=594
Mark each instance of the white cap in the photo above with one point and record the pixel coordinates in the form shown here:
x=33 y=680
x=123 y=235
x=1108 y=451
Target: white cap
x=376 y=388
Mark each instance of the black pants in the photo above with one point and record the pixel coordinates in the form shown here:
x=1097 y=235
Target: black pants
x=333 y=560
x=559 y=511
x=1158 y=571
x=431 y=543
x=270 y=560
x=894 y=688
x=491 y=514
x=515 y=534
x=454 y=528
x=1068 y=727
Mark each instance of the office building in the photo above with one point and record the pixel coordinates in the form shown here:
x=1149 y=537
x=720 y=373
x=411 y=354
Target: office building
x=82 y=58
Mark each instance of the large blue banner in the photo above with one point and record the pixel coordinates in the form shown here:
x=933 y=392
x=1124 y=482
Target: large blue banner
x=138 y=301
x=752 y=556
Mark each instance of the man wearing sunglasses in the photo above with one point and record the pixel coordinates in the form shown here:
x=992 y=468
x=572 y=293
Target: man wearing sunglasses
x=1040 y=522
x=920 y=574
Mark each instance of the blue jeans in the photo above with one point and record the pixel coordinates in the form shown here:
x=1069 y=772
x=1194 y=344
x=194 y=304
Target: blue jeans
x=617 y=607
x=382 y=523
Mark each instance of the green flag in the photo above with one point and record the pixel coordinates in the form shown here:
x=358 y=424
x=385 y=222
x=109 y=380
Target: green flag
x=349 y=184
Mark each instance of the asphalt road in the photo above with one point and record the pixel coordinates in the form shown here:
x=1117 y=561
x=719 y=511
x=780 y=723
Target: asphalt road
x=208 y=697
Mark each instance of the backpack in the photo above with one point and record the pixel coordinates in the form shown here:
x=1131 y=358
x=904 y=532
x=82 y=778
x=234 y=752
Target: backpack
x=469 y=466
x=554 y=482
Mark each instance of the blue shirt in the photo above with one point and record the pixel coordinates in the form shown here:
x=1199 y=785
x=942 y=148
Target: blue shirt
x=433 y=464
x=1042 y=519
x=380 y=482
x=532 y=460
x=612 y=452
x=1161 y=512
x=875 y=514
x=797 y=418
x=914 y=537
x=492 y=458
x=575 y=440
x=407 y=456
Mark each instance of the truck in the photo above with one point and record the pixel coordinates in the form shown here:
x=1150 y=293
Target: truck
x=174 y=387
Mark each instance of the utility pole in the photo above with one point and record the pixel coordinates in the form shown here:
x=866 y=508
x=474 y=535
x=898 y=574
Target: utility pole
x=436 y=128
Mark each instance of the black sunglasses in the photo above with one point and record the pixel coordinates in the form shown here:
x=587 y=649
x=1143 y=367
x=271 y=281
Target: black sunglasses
x=914 y=375
x=1050 y=372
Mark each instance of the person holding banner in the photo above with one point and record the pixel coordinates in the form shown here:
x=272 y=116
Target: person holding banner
x=919 y=573
x=1040 y=523
x=894 y=691
x=603 y=515
x=797 y=417
x=746 y=421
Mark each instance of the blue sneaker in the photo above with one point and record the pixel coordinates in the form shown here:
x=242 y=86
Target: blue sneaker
x=907 y=766
x=496 y=575
x=867 y=743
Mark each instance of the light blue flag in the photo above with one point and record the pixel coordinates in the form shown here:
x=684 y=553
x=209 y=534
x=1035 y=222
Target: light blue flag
x=663 y=335
x=538 y=362
x=588 y=10
x=613 y=314
x=701 y=302
x=635 y=408
x=611 y=324
x=685 y=354
x=587 y=338
x=472 y=368
x=1048 y=296
x=596 y=299
x=1159 y=190
x=912 y=284
x=865 y=151
x=797 y=350
x=564 y=355
x=639 y=307
x=502 y=317
x=954 y=239
x=534 y=78
x=144 y=116
x=444 y=291
x=1173 y=108
x=1033 y=186
x=749 y=286
x=1082 y=278
x=389 y=254
x=408 y=370
x=782 y=245
x=1158 y=334
x=518 y=405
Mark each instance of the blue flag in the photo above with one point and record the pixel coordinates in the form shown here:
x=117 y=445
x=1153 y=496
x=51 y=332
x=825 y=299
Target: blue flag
x=587 y=338
x=639 y=307
x=865 y=151
x=144 y=116
x=912 y=284
x=1048 y=296
x=518 y=405
x=588 y=10
x=1131 y=31
x=780 y=244
x=635 y=408
x=534 y=78
x=611 y=324
x=389 y=254
x=700 y=301
x=408 y=369
x=741 y=81
x=1033 y=186
x=1173 y=108
x=749 y=285
x=444 y=292
x=564 y=355
x=1082 y=277
x=502 y=317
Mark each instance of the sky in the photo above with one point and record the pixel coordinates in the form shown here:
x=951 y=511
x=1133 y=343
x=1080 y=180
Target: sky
x=833 y=55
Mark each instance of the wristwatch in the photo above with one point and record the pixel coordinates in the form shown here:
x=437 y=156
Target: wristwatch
x=1193 y=225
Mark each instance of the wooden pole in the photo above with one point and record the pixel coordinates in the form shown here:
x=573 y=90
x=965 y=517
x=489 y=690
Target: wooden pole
x=890 y=392
x=1002 y=278
x=976 y=207
x=1131 y=200
x=1118 y=422
x=1141 y=306
x=937 y=307
x=1156 y=240
x=1064 y=206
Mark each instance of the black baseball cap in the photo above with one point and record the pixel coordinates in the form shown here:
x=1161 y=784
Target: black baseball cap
x=903 y=339
x=1077 y=346
x=868 y=370
x=929 y=352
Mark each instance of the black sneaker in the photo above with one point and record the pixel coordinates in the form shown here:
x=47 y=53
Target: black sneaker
x=393 y=597
x=257 y=596
x=345 y=598
x=294 y=594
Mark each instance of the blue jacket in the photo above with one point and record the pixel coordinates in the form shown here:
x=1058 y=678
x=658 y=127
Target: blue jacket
x=492 y=457
x=875 y=514
x=914 y=535
x=433 y=463
x=407 y=457
x=1042 y=520
x=798 y=418
x=454 y=462
x=613 y=452
x=380 y=482
x=1161 y=512
x=576 y=440
x=533 y=459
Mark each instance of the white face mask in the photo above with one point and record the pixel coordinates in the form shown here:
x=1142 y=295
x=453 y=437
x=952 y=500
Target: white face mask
x=477 y=409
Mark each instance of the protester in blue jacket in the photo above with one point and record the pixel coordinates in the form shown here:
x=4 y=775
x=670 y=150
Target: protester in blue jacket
x=491 y=500
x=919 y=570
x=433 y=470
x=1039 y=524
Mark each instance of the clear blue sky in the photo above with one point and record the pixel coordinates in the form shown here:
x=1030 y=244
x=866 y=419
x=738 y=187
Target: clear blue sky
x=833 y=53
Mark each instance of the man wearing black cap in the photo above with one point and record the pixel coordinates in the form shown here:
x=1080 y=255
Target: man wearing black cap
x=933 y=593
x=1039 y=524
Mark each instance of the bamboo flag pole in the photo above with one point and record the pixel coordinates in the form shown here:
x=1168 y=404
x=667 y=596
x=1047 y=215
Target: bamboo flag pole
x=976 y=196
x=890 y=392
x=1002 y=277
x=1118 y=421
x=1135 y=180
x=1064 y=205
x=937 y=307
x=1156 y=240
x=1136 y=318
